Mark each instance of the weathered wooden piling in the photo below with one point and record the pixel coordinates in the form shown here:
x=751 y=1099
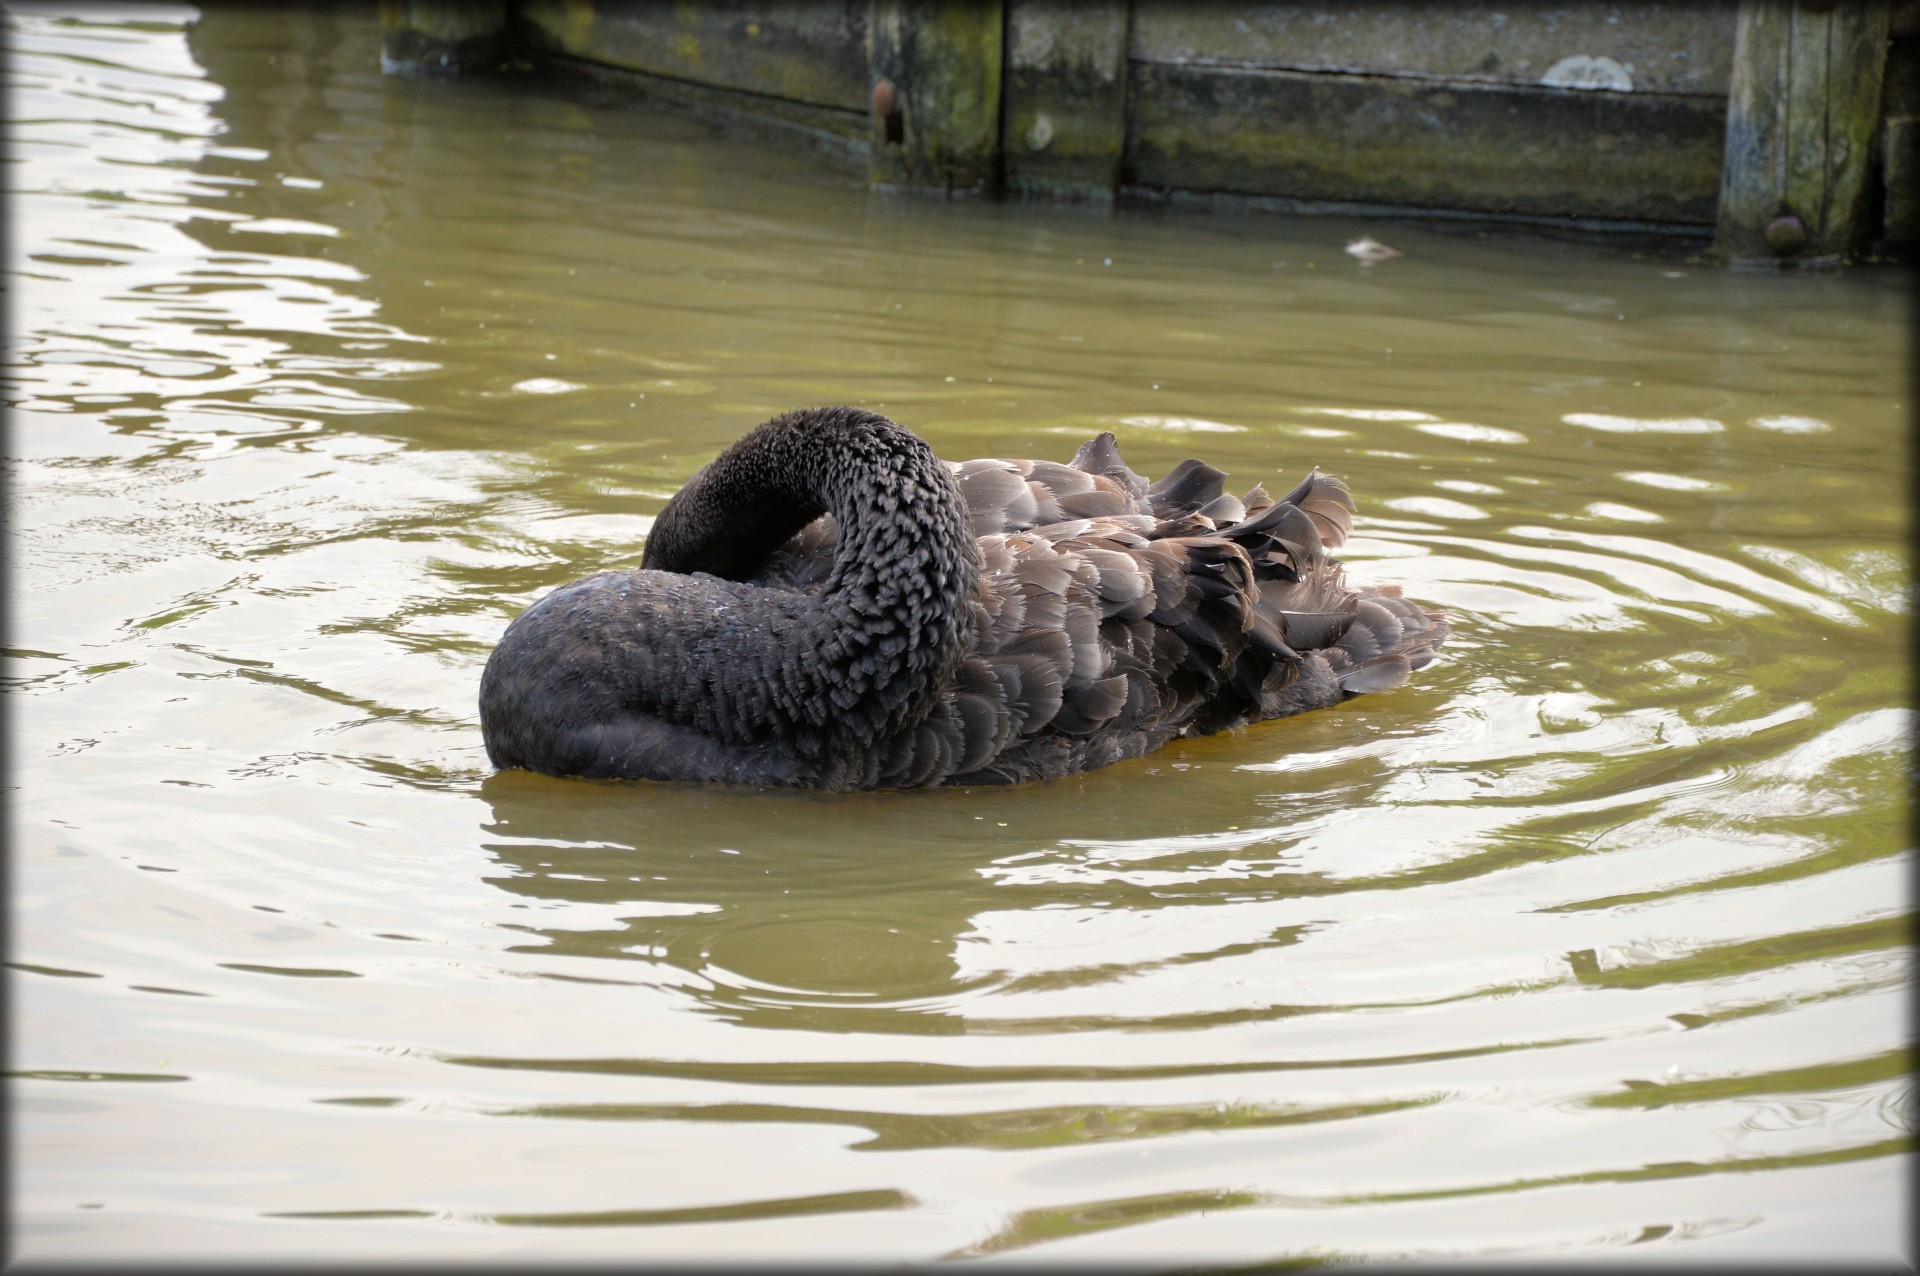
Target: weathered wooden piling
x=1802 y=113
x=1900 y=127
x=443 y=37
x=936 y=94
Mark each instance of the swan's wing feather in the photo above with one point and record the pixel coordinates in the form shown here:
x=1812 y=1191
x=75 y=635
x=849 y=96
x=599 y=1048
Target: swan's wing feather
x=1324 y=499
x=1187 y=487
x=1092 y=707
x=1043 y=569
x=1099 y=502
x=1114 y=625
x=1122 y=580
x=996 y=496
x=1379 y=673
x=1101 y=455
x=1040 y=659
x=1077 y=494
x=1081 y=624
x=1223 y=509
x=1017 y=495
x=986 y=725
x=937 y=749
x=1065 y=530
x=1308 y=630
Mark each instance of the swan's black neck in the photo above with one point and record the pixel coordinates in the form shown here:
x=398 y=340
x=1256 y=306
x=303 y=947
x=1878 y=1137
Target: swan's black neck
x=868 y=656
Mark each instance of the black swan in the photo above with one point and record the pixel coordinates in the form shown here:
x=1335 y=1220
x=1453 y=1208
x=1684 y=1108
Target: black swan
x=828 y=605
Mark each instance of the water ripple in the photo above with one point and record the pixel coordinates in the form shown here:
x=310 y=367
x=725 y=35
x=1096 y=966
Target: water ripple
x=1596 y=935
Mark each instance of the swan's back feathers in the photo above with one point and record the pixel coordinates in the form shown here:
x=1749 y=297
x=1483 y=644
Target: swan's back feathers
x=1115 y=614
x=1094 y=617
x=1013 y=496
x=1193 y=611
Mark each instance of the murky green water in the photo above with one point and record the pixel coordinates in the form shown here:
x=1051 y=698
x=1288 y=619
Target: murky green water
x=1590 y=943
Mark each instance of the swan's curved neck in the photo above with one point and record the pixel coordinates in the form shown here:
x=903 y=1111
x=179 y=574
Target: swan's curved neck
x=869 y=654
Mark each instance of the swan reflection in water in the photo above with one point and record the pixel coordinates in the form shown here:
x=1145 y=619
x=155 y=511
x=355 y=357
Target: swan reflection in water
x=760 y=908
x=828 y=605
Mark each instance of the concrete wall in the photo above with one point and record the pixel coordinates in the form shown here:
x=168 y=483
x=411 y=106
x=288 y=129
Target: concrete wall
x=1473 y=107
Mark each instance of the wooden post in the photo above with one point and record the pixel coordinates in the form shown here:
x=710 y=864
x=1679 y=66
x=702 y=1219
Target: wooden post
x=1801 y=117
x=936 y=94
x=1065 y=120
x=442 y=37
x=1900 y=127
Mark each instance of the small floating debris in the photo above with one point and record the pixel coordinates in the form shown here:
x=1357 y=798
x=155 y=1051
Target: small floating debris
x=1369 y=250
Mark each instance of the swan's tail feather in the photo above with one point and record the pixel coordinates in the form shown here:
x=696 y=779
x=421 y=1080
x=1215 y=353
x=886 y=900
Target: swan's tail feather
x=1334 y=641
x=1322 y=588
x=1387 y=640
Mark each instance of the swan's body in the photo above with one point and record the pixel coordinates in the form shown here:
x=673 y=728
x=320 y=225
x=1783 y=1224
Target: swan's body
x=827 y=605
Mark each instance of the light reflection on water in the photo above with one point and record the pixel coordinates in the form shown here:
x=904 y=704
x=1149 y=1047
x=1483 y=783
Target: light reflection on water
x=1595 y=936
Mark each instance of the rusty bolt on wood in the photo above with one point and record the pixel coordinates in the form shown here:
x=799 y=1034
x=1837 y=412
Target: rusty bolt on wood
x=886 y=109
x=1786 y=235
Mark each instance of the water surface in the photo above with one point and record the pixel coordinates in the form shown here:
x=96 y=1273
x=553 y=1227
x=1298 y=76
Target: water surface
x=1592 y=942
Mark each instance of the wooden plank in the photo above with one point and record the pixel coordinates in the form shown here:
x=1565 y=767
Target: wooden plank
x=1856 y=62
x=1064 y=119
x=1754 y=173
x=1664 y=46
x=1802 y=115
x=1805 y=91
x=1426 y=144
x=1901 y=219
x=1900 y=126
x=936 y=67
x=810 y=53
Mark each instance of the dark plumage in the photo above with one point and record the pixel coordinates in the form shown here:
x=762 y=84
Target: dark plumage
x=828 y=605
